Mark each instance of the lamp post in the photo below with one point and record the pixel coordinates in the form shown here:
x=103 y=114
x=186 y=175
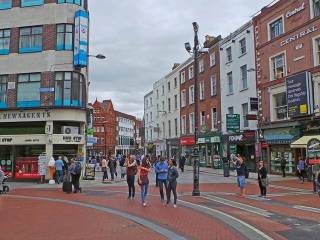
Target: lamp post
x=196 y=162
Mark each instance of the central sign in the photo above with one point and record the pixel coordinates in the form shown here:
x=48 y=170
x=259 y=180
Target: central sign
x=299 y=35
x=295 y=11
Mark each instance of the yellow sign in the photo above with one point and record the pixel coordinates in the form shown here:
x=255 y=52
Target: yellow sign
x=303 y=108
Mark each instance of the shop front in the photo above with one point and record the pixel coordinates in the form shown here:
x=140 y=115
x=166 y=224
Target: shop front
x=173 y=146
x=210 y=150
x=187 y=144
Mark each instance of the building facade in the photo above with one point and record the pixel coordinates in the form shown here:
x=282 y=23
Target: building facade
x=43 y=77
x=149 y=123
x=126 y=134
x=238 y=93
x=287 y=41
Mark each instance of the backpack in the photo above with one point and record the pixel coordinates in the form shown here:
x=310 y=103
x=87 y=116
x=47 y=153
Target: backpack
x=246 y=172
x=77 y=168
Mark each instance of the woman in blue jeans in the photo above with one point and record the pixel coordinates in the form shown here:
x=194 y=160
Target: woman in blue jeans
x=143 y=179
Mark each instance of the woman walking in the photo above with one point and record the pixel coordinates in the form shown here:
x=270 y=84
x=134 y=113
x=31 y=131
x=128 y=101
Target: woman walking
x=172 y=182
x=143 y=179
x=301 y=170
x=262 y=179
x=132 y=170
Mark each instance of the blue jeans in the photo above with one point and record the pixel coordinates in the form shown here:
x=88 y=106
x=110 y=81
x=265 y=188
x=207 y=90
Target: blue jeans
x=144 y=192
x=161 y=183
x=59 y=176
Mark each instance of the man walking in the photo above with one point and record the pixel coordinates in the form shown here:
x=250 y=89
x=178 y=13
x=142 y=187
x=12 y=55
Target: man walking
x=59 y=170
x=182 y=162
x=283 y=164
x=162 y=171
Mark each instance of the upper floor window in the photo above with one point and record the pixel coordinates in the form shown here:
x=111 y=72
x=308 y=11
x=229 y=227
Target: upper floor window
x=184 y=124
x=230 y=110
x=212 y=59
x=316 y=51
x=29 y=3
x=201 y=90
x=244 y=115
x=230 y=83
x=150 y=101
x=30 y=39
x=182 y=77
x=244 y=77
x=157 y=93
x=202 y=118
x=191 y=123
x=183 y=98
x=191 y=94
x=29 y=90
x=213 y=85
x=229 y=54
x=3 y=90
x=316 y=8
x=169 y=87
x=4 y=41
x=64 y=37
x=78 y=2
x=201 y=66
x=191 y=72
x=280 y=110
x=278 y=66
x=169 y=105
x=5 y=4
x=276 y=28
x=214 y=118
x=243 y=46
x=162 y=90
x=176 y=102
x=175 y=82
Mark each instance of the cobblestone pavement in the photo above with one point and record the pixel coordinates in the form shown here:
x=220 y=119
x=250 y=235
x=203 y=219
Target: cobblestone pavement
x=102 y=211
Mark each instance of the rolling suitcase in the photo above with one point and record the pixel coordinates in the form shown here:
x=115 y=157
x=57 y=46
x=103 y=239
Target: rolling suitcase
x=67 y=185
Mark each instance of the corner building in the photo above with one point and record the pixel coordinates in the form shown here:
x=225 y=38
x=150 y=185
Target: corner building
x=43 y=82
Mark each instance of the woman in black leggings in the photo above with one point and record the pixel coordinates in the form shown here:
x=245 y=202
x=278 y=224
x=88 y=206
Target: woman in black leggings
x=172 y=182
x=131 y=172
x=262 y=179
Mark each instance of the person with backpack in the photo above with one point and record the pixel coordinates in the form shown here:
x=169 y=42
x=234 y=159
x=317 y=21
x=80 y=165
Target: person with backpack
x=132 y=170
x=143 y=179
x=301 y=170
x=75 y=171
x=242 y=171
x=162 y=171
x=173 y=174
x=122 y=167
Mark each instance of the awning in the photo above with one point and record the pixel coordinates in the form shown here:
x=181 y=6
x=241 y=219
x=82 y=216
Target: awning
x=303 y=141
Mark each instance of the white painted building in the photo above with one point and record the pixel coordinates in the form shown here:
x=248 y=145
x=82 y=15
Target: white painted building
x=126 y=133
x=149 y=122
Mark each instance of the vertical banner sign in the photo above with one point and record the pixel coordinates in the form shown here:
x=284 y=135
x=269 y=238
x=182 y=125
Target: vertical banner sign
x=81 y=39
x=233 y=123
x=299 y=95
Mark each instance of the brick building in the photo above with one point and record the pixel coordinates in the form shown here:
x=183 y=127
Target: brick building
x=287 y=40
x=43 y=82
x=104 y=127
x=209 y=104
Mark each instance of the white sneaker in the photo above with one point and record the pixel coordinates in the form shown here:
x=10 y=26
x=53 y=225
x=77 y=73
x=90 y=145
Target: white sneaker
x=144 y=204
x=174 y=205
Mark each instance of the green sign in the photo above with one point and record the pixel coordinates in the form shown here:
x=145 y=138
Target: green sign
x=215 y=139
x=233 y=123
x=233 y=149
x=90 y=131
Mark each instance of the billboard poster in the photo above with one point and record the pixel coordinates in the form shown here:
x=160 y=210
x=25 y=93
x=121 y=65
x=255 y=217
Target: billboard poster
x=81 y=39
x=233 y=123
x=298 y=95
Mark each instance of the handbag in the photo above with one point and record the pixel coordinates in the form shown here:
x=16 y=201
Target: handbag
x=265 y=182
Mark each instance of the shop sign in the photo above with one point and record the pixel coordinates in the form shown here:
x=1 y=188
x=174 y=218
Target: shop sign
x=252 y=117
x=90 y=131
x=235 y=138
x=233 y=149
x=215 y=139
x=299 y=35
x=298 y=94
x=92 y=140
x=68 y=139
x=22 y=139
x=249 y=134
x=233 y=123
x=42 y=164
x=264 y=145
x=75 y=139
x=254 y=104
x=295 y=11
x=313 y=151
x=187 y=141
x=25 y=116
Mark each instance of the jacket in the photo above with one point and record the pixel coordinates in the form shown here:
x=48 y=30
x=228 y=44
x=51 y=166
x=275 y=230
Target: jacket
x=162 y=170
x=173 y=174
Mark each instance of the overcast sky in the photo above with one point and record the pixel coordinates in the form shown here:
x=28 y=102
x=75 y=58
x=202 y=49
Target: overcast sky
x=143 y=38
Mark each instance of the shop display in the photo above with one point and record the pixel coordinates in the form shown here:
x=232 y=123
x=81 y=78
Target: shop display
x=26 y=168
x=276 y=154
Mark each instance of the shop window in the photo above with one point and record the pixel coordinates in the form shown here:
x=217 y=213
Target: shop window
x=5 y=4
x=243 y=46
x=30 y=39
x=4 y=41
x=191 y=94
x=3 y=91
x=230 y=83
x=278 y=66
x=30 y=3
x=276 y=28
x=191 y=123
x=244 y=77
x=64 y=37
x=316 y=8
x=78 y=2
x=229 y=54
x=280 y=106
x=213 y=85
x=191 y=72
x=244 y=115
x=69 y=89
x=29 y=90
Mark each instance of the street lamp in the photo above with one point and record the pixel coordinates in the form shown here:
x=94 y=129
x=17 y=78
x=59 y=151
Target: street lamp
x=98 y=56
x=196 y=163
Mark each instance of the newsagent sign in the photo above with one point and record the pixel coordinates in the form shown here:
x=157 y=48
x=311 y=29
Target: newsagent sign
x=298 y=94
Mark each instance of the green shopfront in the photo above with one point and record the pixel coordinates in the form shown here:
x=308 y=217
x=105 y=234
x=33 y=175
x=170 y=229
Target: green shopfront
x=210 y=150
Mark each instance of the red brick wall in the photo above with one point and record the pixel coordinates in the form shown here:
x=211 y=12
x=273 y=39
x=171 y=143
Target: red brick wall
x=47 y=99
x=12 y=93
x=49 y=37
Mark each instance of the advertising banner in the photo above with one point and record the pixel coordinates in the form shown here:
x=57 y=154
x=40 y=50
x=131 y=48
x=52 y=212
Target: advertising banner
x=233 y=123
x=81 y=39
x=298 y=95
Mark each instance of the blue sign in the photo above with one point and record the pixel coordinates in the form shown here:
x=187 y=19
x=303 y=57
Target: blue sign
x=92 y=140
x=81 y=39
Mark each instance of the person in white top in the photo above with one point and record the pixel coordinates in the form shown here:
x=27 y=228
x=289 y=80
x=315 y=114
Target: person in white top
x=104 y=165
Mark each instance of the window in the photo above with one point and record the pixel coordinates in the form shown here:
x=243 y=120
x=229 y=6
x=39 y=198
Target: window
x=212 y=59
x=29 y=90
x=64 y=37
x=316 y=50
x=183 y=98
x=169 y=129
x=4 y=41
x=175 y=82
x=176 y=102
x=276 y=28
x=230 y=83
x=169 y=105
x=191 y=122
x=158 y=109
x=202 y=118
x=151 y=102
x=162 y=105
x=162 y=90
x=78 y=2
x=169 y=87
x=157 y=93
x=151 y=117
x=201 y=90
x=201 y=66
x=183 y=124
x=316 y=8
x=147 y=103
x=213 y=81
x=182 y=77
x=147 y=117
x=3 y=91
x=69 y=89
x=230 y=110
x=244 y=77
x=176 y=126
x=30 y=39
x=191 y=94
x=229 y=54
x=163 y=129
x=5 y=4
x=191 y=72
x=243 y=46
x=280 y=106
x=278 y=67
x=214 y=118
x=29 y=3
x=244 y=115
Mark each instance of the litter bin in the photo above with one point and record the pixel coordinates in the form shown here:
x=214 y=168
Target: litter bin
x=226 y=167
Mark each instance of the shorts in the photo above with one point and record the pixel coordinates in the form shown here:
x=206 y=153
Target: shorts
x=241 y=181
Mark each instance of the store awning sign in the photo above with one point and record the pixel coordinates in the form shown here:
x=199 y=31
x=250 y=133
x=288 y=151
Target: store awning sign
x=313 y=151
x=299 y=95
